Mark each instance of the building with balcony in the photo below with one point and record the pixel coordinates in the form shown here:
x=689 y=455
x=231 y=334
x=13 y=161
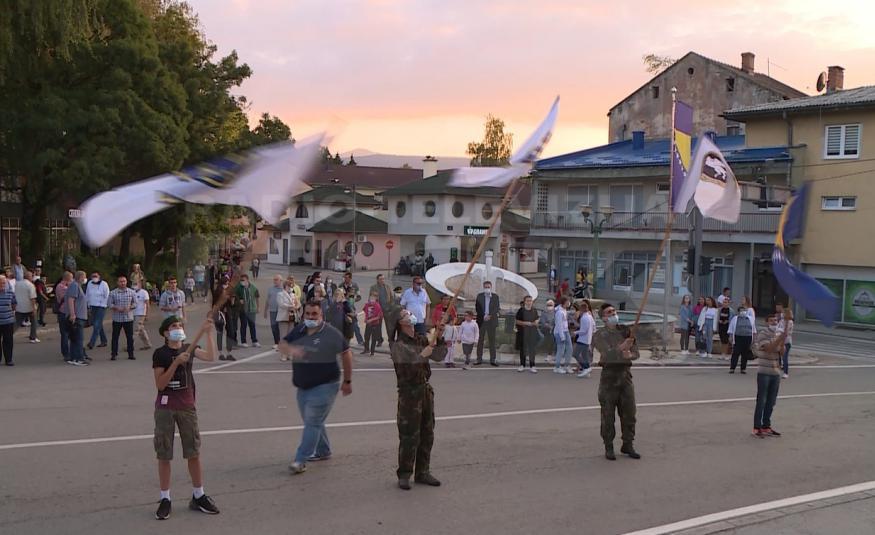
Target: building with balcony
x=610 y=203
x=833 y=135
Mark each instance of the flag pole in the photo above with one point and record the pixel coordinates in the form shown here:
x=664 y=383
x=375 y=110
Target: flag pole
x=666 y=241
x=509 y=196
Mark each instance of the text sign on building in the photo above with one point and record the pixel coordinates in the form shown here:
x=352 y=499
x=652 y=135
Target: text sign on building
x=74 y=213
x=475 y=231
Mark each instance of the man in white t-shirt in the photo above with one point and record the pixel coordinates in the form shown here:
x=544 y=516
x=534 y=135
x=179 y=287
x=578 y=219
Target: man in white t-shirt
x=25 y=295
x=141 y=312
x=723 y=297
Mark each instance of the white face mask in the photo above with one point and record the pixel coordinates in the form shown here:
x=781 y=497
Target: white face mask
x=612 y=320
x=487 y=291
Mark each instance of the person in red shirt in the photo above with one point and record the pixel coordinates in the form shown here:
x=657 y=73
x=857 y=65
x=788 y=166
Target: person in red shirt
x=373 y=323
x=438 y=314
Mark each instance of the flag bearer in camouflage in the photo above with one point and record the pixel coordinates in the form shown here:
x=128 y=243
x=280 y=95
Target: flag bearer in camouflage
x=410 y=355
x=617 y=348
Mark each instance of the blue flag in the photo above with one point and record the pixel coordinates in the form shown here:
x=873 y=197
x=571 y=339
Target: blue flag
x=810 y=293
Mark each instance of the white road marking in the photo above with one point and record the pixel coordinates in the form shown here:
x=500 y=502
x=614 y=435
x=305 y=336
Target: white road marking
x=236 y=362
x=753 y=509
x=511 y=369
x=369 y=423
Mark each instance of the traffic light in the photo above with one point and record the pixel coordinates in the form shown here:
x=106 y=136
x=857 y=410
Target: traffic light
x=690 y=260
x=706 y=264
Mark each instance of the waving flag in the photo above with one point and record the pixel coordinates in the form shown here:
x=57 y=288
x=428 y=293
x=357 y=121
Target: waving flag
x=810 y=293
x=521 y=162
x=263 y=179
x=717 y=193
x=680 y=156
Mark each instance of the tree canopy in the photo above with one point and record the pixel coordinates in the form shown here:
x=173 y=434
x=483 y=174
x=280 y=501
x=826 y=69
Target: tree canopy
x=495 y=148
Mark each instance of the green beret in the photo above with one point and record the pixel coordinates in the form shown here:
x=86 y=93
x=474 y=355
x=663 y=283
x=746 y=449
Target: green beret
x=168 y=321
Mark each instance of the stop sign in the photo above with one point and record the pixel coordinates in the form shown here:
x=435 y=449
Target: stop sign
x=390 y=244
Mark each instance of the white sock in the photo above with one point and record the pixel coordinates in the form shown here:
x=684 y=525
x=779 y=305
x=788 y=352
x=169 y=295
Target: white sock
x=165 y=494
x=197 y=492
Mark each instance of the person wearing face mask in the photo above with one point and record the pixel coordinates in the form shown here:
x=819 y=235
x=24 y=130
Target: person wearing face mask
x=373 y=321
x=742 y=329
x=97 y=296
x=545 y=326
x=391 y=312
x=314 y=347
x=527 y=337
x=769 y=349
x=417 y=302
x=617 y=349
x=488 y=306
x=247 y=308
x=410 y=357
x=225 y=319
x=175 y=410
x=340 y=314
x=77 y=314
x=562 y=336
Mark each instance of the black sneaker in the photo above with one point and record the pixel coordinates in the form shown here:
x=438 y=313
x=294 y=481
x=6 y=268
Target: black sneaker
x=163 y=512
x=630 y=451
x=229 y=357
x=204 y=504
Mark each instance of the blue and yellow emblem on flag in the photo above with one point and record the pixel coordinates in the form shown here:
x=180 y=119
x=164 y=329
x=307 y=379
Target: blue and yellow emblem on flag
x=215 y=173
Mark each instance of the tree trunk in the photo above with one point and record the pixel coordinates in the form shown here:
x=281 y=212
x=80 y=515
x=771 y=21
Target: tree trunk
x=32 y=239
x=124 y=253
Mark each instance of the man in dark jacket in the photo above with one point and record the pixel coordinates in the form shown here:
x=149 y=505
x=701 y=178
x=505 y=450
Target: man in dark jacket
x=488 y=307
x=410 y=355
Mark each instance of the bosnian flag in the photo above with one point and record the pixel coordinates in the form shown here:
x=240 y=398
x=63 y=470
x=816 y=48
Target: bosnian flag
x=680 y=155
x=263 y=179
x=713 y=184
x=521 y=162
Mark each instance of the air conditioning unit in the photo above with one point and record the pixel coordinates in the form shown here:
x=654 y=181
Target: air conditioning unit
x=361 y=238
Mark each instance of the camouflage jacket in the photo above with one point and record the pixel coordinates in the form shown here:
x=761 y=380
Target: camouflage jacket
x=411 y=369
x=607 y=342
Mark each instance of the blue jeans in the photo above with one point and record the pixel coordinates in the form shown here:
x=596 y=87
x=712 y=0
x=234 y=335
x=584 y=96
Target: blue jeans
x=785 y=359
x=64 y=329
x=563 y=350
x=315 y=404
x=708 y=333
x=274 y=326
x=97 y=314
x=247 y=319
x=581 y=355
x=767 y=394
x=358 y=333
x=76 y=332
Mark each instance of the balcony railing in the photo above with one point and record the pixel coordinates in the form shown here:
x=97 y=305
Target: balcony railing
x=752 y=222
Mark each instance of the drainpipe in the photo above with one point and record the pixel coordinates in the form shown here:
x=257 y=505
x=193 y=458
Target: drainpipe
x=789 y=144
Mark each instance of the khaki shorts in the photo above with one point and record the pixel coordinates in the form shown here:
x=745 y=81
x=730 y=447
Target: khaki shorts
x=166 y=422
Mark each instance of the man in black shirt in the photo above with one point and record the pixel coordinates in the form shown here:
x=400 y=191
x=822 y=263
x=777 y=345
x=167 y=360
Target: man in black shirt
x=314 y=346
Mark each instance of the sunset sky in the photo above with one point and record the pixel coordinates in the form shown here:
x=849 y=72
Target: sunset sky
x=419 y=77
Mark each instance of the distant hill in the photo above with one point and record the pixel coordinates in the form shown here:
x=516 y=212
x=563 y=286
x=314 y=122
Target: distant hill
x=372 y=159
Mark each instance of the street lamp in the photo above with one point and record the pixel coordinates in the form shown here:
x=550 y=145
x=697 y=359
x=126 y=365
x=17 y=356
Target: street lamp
x=355 y=246
x=595 y=229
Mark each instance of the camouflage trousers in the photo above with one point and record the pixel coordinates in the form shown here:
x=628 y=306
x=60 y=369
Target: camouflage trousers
x=617 y=395
x=415 y=429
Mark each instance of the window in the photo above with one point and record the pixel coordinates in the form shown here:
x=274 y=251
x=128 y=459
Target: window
x=622 y=274
x=628 y=199
x=838 y=203
x=486 y=212
x=430 y=208
x=663 y=188
x=691 y=71
x=842 y=141
x=730 y=85
x=578 y=195
x=542 y=196
x=301 y=212
x=655 y=91
x=274 y=247
x=458 y=209
x=367 y=248
x=733 y=130
x=400 y=209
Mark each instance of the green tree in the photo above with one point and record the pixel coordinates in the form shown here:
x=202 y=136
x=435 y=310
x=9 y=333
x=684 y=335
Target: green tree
x=655 y=64
x=270 y=129
x=351 y=160
x=325 y=154
x=495 y=149
x=337 y=159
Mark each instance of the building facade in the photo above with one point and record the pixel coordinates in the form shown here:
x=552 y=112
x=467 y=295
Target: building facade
x=833 y=136
x=709 y=86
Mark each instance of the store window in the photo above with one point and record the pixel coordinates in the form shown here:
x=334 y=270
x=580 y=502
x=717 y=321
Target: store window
x=486 y=212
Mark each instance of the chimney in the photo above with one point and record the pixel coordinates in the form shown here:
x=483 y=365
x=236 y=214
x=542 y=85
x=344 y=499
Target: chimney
x=836 y=80
x=429 y=166
x=638 y=140
x=747 y=62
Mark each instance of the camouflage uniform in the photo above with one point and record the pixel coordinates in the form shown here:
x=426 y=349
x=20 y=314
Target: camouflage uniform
x=415 y=403
x=616 y=391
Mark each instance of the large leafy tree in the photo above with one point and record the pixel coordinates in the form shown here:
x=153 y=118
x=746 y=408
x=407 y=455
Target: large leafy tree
x=494 y=150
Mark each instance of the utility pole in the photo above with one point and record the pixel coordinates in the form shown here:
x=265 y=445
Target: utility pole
x=695 y=283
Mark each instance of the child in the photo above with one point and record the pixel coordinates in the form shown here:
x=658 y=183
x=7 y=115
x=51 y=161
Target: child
x=373 y=323
x=469 y=334
x=175 y=408
x=451 y=334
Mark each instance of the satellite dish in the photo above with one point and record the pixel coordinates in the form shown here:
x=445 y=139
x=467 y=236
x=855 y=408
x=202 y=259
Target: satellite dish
x=821 y=82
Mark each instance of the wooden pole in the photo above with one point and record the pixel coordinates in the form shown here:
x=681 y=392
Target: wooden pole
x=653 y=273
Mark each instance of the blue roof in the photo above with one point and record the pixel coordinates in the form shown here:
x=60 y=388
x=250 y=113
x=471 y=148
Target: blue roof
x=656 y=152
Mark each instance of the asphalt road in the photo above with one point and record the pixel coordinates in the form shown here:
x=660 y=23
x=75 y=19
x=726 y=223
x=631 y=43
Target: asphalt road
x=518 y=453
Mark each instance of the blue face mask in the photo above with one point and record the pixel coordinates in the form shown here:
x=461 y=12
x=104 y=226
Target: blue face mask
x=176 y=335
x=311 y=324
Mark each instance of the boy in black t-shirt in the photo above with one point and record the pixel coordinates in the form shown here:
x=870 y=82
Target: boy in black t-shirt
x=175 y=408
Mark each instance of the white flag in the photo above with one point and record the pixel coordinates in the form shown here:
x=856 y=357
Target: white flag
x=263 y=179
x=718 y=194
x=521 y=162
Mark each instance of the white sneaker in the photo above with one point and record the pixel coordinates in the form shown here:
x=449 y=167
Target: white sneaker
x=521 y=369
x=244 y=344
x=785 y=375
x=685 y=352
x=533 y=370
x=275 y=347
x=568 y=370
x=35 y=341
x=297 y=468
x=560 y=371
x=256 y=344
